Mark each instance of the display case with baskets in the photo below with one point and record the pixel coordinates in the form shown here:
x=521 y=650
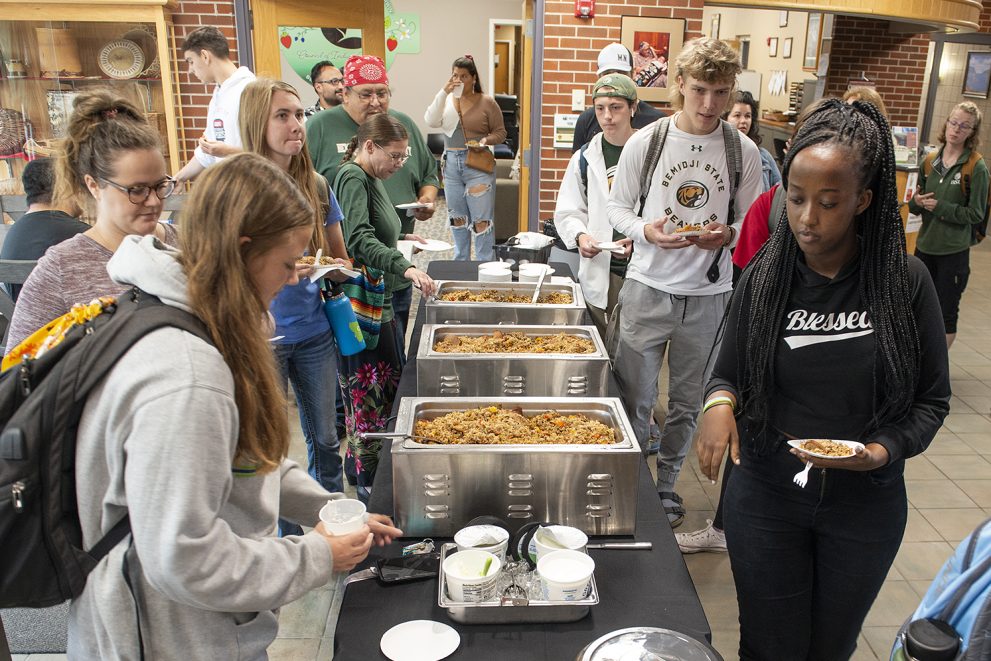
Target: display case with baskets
x=50 y=52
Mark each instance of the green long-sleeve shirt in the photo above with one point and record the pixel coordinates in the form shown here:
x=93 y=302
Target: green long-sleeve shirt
x=328 y=134
x=948 y=228
x=370 y=230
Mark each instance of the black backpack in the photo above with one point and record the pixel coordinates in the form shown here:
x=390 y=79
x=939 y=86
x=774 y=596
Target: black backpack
x=41 y=402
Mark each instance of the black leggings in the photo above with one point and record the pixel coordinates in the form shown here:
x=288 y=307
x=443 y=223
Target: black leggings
x=950 y=274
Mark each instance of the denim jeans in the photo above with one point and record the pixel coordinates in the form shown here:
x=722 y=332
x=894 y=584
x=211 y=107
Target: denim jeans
x=470 y=197
x=808 y=563
x=311 y=367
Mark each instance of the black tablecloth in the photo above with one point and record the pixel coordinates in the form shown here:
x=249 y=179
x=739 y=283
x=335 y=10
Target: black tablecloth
x=636 y=588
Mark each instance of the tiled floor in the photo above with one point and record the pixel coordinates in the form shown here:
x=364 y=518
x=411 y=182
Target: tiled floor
x=949 y=494
x=949 y=490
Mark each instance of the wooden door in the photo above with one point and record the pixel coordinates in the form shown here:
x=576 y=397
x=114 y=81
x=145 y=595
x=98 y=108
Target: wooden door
x=501 y=69
x=269 y=15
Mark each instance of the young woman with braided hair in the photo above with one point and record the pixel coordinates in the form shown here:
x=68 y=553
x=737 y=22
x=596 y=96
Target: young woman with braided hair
x=834 y=333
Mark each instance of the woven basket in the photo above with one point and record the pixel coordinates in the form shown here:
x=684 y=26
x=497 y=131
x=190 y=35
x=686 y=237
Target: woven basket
x=12 y=134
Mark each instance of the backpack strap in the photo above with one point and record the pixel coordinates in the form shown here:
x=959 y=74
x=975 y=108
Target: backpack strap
x=927 y=164
x=778 y=202
x=734 y=165
x=583 y=167
x=657 y=137
x=967 y=171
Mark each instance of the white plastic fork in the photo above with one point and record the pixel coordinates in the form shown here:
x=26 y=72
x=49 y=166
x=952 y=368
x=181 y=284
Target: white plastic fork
x=802 y=477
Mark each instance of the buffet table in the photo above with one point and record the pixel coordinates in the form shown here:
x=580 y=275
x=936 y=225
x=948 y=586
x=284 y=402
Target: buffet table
x=636 y=588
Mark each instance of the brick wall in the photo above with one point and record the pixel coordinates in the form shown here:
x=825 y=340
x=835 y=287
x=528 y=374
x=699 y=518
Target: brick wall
x=194 y=96
x=896 y=62
x=571 y=46
x=985 y=19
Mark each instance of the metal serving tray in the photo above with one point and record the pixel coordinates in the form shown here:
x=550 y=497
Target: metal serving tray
x=438 y=489
x=526 y=374
x=495 y=612
x=439 y=312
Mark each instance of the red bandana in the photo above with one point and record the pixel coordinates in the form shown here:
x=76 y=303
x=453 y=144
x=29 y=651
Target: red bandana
x=363 y=70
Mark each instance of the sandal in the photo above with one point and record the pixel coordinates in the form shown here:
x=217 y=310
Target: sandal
x=673 y=507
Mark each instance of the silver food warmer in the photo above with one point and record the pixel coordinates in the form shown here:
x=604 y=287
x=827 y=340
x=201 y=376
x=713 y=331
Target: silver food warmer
x=511 y=374
x=439 y=312
x=438 y=489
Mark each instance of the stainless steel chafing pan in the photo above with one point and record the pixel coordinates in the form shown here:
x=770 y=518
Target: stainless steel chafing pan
x=498 y=374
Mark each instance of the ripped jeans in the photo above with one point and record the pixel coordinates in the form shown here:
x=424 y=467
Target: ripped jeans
x=470 y=197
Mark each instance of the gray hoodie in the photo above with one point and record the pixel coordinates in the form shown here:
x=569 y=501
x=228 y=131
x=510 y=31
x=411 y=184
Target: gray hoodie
x=157 y=440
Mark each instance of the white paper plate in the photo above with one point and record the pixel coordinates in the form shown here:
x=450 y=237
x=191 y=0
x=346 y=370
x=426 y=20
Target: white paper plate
x=413 y=205
x=419 y=640
x=432 y=245
x=797 y=443
x=321 y=271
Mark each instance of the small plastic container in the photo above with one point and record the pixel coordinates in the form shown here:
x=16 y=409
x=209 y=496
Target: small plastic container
x=494 y=272
x=467 y=580
x=343 y=516
x=565 y=575
x=464 y=538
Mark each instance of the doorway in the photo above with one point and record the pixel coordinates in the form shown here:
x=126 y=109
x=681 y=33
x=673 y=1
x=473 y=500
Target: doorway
x=506 y=55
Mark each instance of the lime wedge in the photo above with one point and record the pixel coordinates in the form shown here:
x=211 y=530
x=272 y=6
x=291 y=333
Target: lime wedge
x=485 y=569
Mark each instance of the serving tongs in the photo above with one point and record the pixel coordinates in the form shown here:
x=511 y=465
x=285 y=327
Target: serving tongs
x=382 y=435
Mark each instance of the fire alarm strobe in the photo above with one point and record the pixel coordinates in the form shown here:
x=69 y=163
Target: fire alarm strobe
x=584 y=8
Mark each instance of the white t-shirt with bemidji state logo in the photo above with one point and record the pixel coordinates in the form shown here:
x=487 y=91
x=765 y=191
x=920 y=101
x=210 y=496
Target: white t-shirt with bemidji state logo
x=690 y=186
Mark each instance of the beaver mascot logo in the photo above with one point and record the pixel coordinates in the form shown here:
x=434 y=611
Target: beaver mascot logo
x=692 y=195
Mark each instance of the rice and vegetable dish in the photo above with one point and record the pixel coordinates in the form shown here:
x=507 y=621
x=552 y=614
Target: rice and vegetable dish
x=499 y=342
x=309 y=260
x=827 y=448
x=495 y=425
x=493 y=296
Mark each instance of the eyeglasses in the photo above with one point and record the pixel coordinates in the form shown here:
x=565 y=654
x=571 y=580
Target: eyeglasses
x=138 y=194
x=367 y=96
x=396 y=158
x=330 y=81
x=959 y=125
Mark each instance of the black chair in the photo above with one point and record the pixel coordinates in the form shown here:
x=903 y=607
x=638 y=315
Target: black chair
x=12 y=272
x=435 y=143
x=779 y=150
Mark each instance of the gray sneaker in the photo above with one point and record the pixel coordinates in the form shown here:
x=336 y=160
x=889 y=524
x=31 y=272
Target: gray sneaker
x=706 y=539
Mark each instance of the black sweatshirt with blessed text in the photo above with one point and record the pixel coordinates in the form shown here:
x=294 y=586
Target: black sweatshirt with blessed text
x=824 y=367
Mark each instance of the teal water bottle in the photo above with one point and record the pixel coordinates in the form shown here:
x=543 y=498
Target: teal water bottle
x=344 y=322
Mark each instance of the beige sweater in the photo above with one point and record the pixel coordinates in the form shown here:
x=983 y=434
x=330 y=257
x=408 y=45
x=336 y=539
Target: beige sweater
x=482 y=119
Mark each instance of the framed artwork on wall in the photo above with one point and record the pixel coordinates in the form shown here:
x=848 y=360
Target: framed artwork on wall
x=813 y=32
x=714 y=27
x=653 y=42
x=977 y=75
x=772 y=46
x=783 y=19
x=786 y=48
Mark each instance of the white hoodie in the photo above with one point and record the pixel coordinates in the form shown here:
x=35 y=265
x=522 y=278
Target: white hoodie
x=157 y=440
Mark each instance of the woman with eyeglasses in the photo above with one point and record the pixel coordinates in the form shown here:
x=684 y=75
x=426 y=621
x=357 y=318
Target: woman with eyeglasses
x=371 y=230
x=470 y=121
x=111 y=164
x=952 y=198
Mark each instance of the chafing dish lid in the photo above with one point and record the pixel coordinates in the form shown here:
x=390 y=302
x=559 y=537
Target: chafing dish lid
x=647 y=644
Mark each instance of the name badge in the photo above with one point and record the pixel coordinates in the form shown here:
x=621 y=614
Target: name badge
x=342 y=147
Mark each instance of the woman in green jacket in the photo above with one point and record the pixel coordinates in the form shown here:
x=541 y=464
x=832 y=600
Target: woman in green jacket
x=371 y=230
x=950 y=208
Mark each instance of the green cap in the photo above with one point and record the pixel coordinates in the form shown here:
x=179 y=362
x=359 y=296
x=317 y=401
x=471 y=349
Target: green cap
x=622 y=87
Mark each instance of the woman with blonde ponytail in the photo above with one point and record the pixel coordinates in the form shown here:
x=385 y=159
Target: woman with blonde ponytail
x=189 y=440
x=271 y=121
x=111 y=165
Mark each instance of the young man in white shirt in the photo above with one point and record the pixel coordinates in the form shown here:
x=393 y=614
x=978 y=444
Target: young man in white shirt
x=208 y=56
x=677 y=287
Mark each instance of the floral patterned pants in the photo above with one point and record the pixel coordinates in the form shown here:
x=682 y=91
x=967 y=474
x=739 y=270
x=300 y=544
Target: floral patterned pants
x=368 y=384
